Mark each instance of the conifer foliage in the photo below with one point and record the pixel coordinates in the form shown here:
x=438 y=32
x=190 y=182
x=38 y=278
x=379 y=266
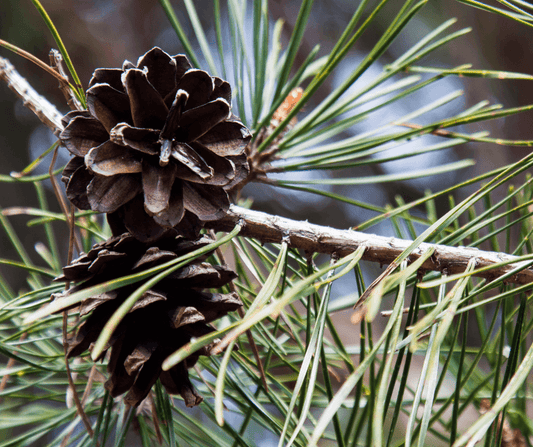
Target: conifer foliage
x=184 y=317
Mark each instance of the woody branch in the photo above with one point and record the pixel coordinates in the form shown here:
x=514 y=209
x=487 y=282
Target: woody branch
x=306 y=236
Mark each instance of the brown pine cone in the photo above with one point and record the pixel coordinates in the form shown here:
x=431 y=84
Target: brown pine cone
x=164 y=319
x=158 y=139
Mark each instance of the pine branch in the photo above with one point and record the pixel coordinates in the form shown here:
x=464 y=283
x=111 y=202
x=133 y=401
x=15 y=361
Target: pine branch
x=39 y=105
x=320 y=239
x=309 y=237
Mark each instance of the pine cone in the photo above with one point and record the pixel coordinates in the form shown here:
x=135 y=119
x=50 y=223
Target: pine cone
x=163 y=319
x=159 y=139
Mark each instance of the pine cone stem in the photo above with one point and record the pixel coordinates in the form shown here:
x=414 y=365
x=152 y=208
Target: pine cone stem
x=249 y=335
x=79 y=406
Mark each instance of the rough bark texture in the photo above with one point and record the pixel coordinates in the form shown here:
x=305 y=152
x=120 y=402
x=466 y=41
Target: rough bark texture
x=39 y=105
x=319 y=239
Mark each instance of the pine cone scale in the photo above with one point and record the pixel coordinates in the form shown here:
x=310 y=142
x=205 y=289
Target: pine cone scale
x=107 y=194
x=171 y=216
x=107 y=105
x=111 y=76
x=161 y=72
x=110 y=159
x=145 y=141
x=157 y=185
x=189 y=158
x=149 y=297
x=76 y=189
x=205 y=201
x=147 y=107
x=177 y=382
x=222 y=90
x=153 y=256
x=92 y=303
x=82 y=134
x=201 y=119
x=223 y=168
x=182 y=66
x=198 y=84
x=226 y=139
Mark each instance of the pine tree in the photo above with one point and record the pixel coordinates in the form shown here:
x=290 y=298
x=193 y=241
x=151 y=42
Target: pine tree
x=177 y=293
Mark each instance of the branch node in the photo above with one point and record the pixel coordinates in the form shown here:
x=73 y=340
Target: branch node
x=56 y=62
x=435 y=259
x=309 y=259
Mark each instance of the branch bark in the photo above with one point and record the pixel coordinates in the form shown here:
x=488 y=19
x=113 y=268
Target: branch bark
x=319 y=239
x=45 y=111
x=306 y=236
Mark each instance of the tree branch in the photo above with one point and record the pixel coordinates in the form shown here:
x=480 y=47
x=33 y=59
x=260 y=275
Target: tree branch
x=319 y=239
x=306 y=236
x=39 y=105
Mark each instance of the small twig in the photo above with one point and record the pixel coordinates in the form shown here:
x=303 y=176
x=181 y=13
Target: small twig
x=39 y=105
x=50 y=70
x=253 y=346
x=57 y=191
x=79 y=406
x=63 y=203
x=56 y=61
x=359 y=309
x=10 y=364
x=249 y=335
x=155 y=419
x=440 y=132
x=209 y=387
x=72 y=239
x=89 y=385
